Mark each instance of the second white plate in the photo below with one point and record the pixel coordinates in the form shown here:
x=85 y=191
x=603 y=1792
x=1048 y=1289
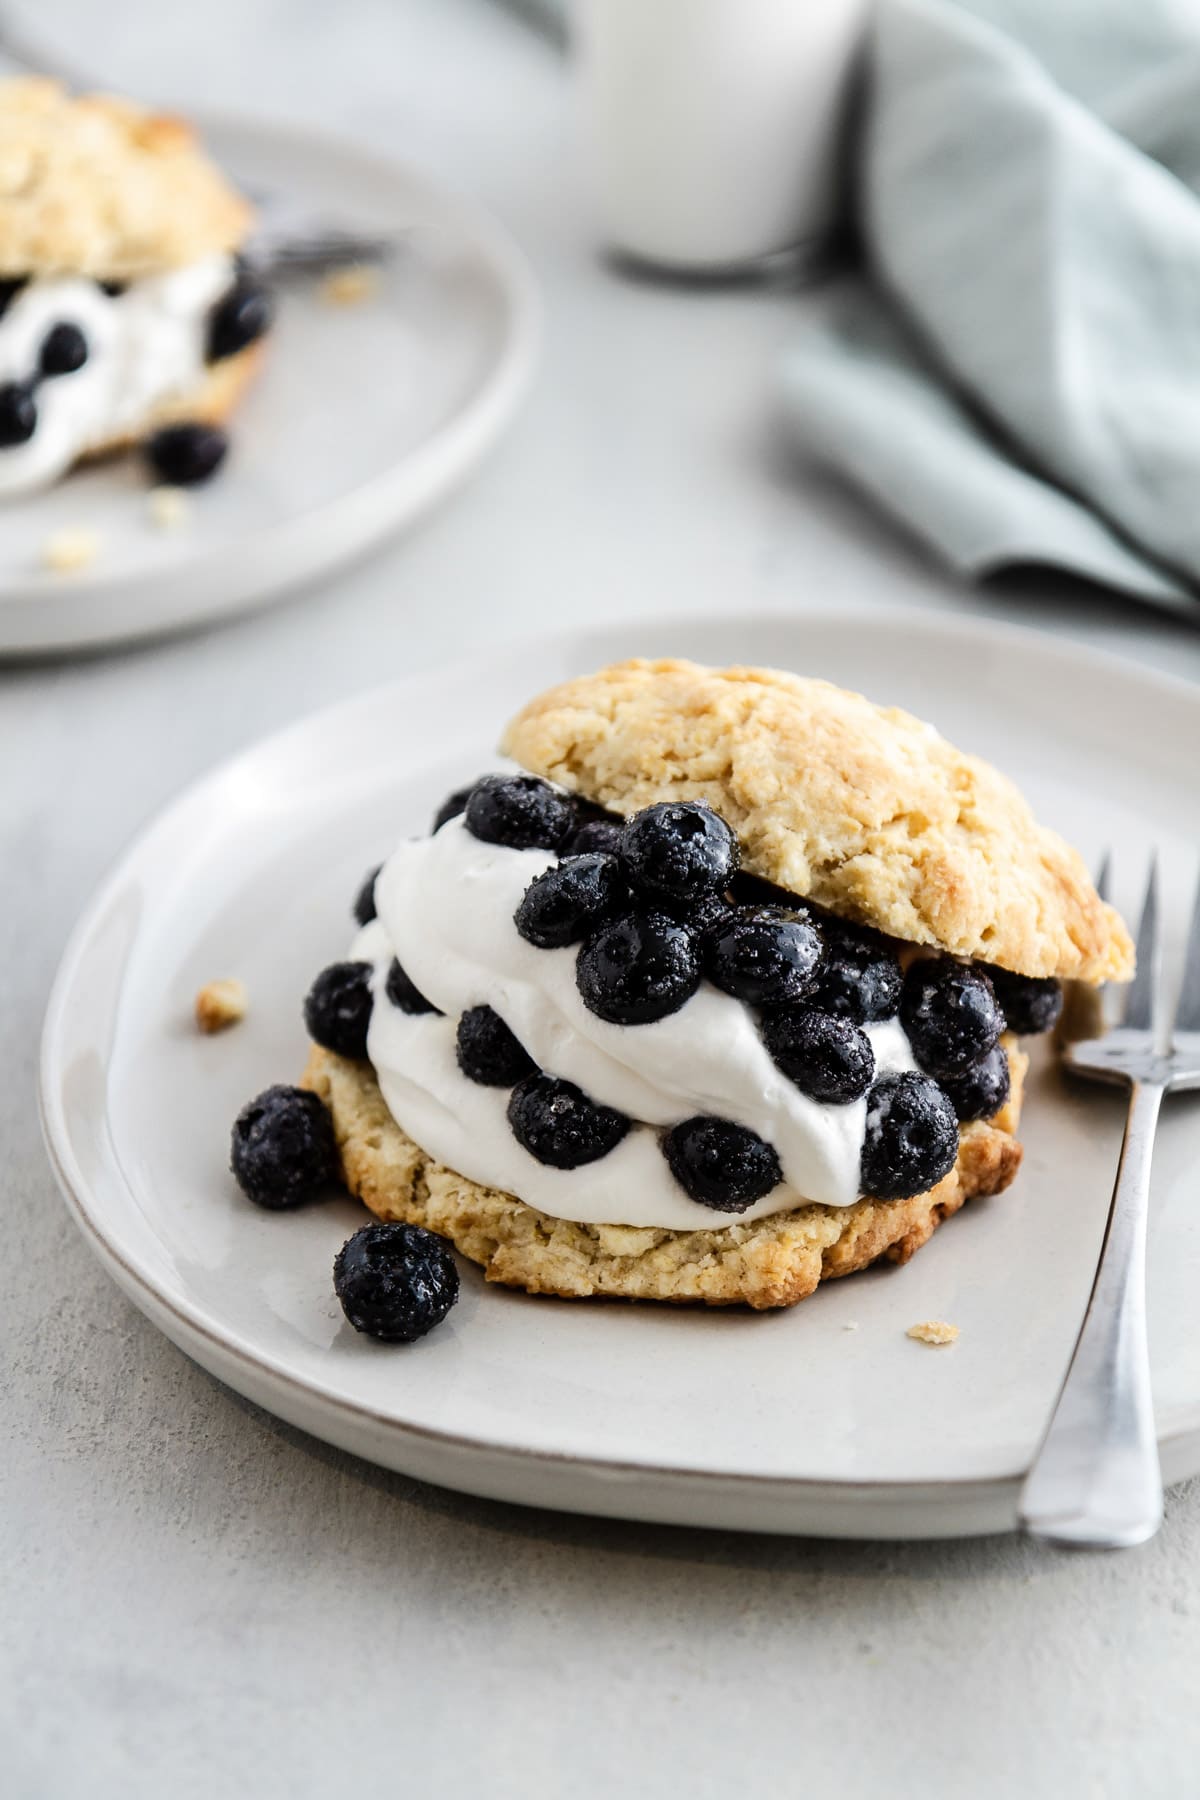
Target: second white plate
x=788 y=1422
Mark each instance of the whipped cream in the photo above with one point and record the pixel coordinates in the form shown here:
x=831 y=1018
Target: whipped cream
x=146 y=346
x=445 y=908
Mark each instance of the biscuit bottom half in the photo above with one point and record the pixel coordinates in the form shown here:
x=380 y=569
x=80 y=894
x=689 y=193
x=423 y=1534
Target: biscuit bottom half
x=768 y=1262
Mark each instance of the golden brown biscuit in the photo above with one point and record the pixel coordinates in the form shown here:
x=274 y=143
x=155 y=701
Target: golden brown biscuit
x=861 y=808
x=97 y=186
x=769 y=1262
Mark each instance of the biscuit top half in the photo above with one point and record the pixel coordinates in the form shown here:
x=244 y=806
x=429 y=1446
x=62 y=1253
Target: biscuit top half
x=863 y=809
x=96 y=186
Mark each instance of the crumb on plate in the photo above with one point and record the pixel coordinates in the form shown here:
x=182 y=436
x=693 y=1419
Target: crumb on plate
x=850 y=1325
x=220 y=1004
x=350 y=286
x=169 y=507
x=72 y=548
x=933 y=1331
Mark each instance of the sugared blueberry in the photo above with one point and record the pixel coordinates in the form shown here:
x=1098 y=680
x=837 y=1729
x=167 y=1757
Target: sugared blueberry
x=239 y=317
x=395 y=1282
x=827 y=1058
x=18 y=414
x=114 y=289
x=521 y=811
x=186 y=455
x=488 y=1052
x=557 y=1123
x=64 y=349
x=283 y=1150
x=950 y=1014
x=980 y=1090
x=678 y=851
x=402 y=992
x=911 y=1138
x=601 y=836
x=639 y=968
x=338 y=1008
x=763 y=955
x=1029 y=1005
x=858 y=979
x=720 y=1164
x=10 y=287
x=364 y=902
x=452 y=807
x=567 y=902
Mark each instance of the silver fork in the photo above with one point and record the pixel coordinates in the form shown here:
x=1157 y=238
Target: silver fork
x=1095 y=1481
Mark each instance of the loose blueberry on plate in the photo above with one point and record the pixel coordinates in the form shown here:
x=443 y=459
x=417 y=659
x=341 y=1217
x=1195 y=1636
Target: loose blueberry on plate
x=720 y=1164
x=238 y=318
x=18 y=414
x=488 y=1052
x=64 y=349
x=395 y=1282
x=763 y=955
x=594 y=835
x=364 y=903
x=337 y=1011
x=640 y=968
x=1029 y=1005
x=403 y=992
x=828 y=1058
x=186 y=455
x=856 y=980
x=678 y=851
x=283 y=1150
x=950 y=1014
x=452 y=807
x=521 y=811
x=563 y=905
x=557 y=1123
x=911 y=1138
x=980 y=1090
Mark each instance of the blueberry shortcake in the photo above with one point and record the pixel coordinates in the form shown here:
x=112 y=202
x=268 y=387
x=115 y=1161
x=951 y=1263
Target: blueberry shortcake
x=719 y=996
x=125 y=315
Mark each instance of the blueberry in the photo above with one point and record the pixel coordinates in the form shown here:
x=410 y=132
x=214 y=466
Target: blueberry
x=602 y=835
x=283 y=1150
x=721 y=1165
x=451 y=808
x=239 y=317
x=763 y=955
x=950 y=1014
x=401 y=991
x=982 y=1089
x=364 y=903
x=640 y=968
x=1029 y=1005
x=521 y=811
x=567 y=902
x=557 y=1123
x=679 y=850
x=185 y=455
x=857 y=979
x=18 y=414
x=395 y=1282
x=488 y=1052
x=64 y=349
x=911 y=1138
x=114 y=289
x=827 y=1058
x=338 y=1008
x=10 y=287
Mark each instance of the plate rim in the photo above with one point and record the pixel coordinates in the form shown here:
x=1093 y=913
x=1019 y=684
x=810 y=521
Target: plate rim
x=988 y=1497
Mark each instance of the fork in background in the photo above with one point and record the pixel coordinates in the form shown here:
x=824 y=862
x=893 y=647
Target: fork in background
x=1095 y=1481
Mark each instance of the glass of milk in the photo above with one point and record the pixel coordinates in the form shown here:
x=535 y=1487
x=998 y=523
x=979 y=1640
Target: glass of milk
x=715 y=130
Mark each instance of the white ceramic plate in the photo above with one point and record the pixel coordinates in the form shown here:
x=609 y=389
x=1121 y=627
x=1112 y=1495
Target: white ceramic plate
x=362 y=418
x=786 y=1422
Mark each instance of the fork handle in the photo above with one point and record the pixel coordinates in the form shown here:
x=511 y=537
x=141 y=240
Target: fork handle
x=1095 y=1481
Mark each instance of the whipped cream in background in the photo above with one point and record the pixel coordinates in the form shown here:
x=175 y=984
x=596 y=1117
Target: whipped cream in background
x=145 y=346
x=445 y=908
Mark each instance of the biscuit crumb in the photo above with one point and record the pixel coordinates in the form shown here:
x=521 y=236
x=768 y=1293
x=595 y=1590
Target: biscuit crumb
x=220 y=1004
x=933 y=1331
x=350 y=286
x=72 y=548
x=168 y=507
x=850 y=1325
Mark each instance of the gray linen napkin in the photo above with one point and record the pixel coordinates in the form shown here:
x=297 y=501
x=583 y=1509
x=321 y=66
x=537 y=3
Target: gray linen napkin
x=1018 y=379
